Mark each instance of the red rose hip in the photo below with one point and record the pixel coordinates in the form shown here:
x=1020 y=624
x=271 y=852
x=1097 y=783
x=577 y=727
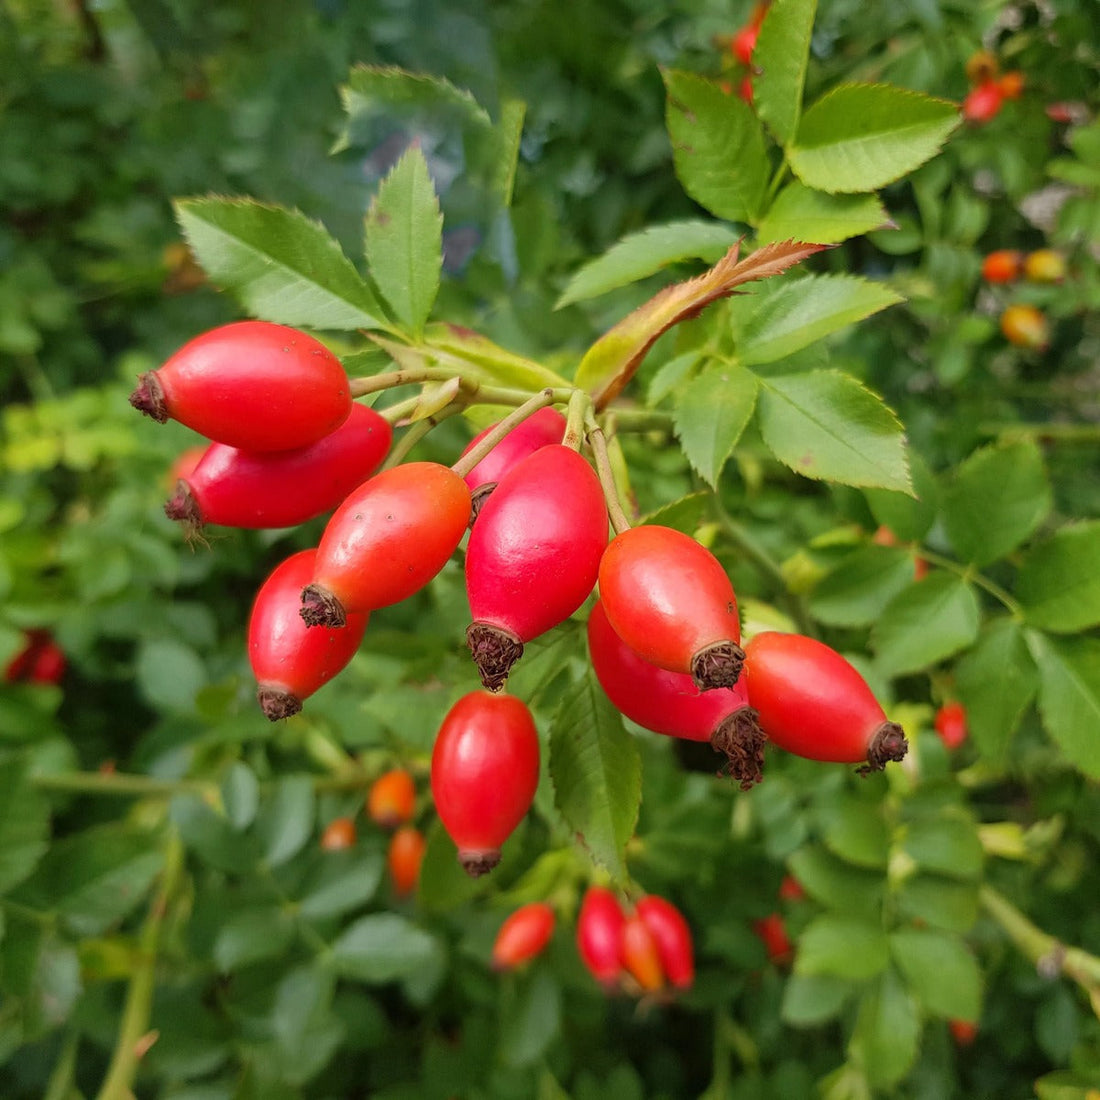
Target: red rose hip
x=289 y=660
x=813 y=703
x=599 y=935
x=672 y=936
x=533 y=556
x=523 y=935
x=257 y=489
x=251 y=384
x=671 y=601
x=485 y=768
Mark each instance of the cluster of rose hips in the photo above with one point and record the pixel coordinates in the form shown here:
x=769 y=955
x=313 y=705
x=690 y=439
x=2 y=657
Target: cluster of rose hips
x=40 y=661
x=1023 y=324
x=989 y=88
x=390 y=804
x=288 y=443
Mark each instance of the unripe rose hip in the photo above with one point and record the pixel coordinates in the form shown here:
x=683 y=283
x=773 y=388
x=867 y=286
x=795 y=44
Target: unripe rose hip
x=289 y=660
x=523 y=935
x=812 y=702
x=639 y=954
x=391 y=799
x=390 y=537
x=251 y=384
x=404 y=857
x=670 y=703
x=339 y=834
x=533 y=556
x=257 y=489
x=671 y=601
x=485 y=768
x=672 y=936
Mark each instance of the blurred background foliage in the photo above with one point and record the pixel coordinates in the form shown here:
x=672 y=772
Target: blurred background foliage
x=269 y=980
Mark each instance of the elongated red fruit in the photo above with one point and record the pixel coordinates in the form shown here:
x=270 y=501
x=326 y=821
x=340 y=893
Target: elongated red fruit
x=599 y=935
x=814 y=703
x=485 y=768
x=639 y=954
x=671 y=601
x=540 y=429
x=523 y=935
x=386 y=541
x=290 y=661
x=672 y=935
x=251 y=384
x=533 y=556
x=670 y=703
x=254 y=489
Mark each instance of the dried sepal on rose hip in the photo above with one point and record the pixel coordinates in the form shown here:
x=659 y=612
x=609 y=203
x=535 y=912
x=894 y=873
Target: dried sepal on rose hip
x=669 y=702
x=251 y=384
x=289 y=660
x=485 y=769
x=812 y=702
x=533 y=556
x=230 y=487
x=671 y=601
x=523 y=935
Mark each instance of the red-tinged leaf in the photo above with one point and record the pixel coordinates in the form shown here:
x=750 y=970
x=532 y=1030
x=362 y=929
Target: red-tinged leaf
x=612 y=360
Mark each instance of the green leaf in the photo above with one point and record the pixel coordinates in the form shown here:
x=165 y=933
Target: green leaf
x=925 y=624
x=285 y=821
x=279 y=264
x=485 y=361
x=791 y=314
x=169 y=674
x=860 y=137
x=250 y=935
x=885 y=1039
x=95 y=878
x=646 y=252
x=382 y=947
x=210 y=835
x=780 y=57
x=339 y=882
x=941 y=971
x=24 y=823
x=812 y=999
x=836 y=884
x=855 y=591
x=597 y=773
x=712 y=411
x=530 y=1021
x=1069 y=696
x=717 y=147
x=827 y=425
x=855 y=831
x=909 y=517
x=941 y=902
x=996 y=682
x=843 y=946
x=240 y=790
x=1059 y=581
x=803 y=214
x=998 y=497
x=404 y=239
x=947 y=845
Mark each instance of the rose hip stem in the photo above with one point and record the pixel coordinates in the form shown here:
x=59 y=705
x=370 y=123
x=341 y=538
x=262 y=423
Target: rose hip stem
x=469 y=460
x=598 y=442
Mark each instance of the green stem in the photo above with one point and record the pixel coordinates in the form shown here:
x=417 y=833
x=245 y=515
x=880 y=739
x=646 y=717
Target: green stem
x=532 y=405
x=1054 y=433
x=114 y=784
x=1050 y=956
x=979 y=579
x=417 y=432
x=579 y=406
x=133 y=1034
x=375 y=383
x=598 y=442
x=60 y=1084
x=399 y=410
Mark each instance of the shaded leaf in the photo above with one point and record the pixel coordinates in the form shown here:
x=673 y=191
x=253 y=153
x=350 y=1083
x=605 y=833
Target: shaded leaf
x=1069 y=696
x=941 y=971
x=1059 y=582
x=947 y=845
x=885 y=1039
x=781 y=56
x=843 y=946
x=812 y=999
x=382 y=947
x=855 y=591
x=804 y=214
x=24 y=823
x=712 y=411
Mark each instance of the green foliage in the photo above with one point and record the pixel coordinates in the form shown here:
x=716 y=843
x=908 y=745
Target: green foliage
x=498 y=199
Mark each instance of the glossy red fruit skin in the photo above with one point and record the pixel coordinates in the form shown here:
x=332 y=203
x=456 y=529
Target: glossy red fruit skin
x=639 y=955
x=387 y=540
x=485 y=768
x=670 y=703
x=540 y=429
x=251 y=384
x=40 y=661
x=263 y=489
x=982 y=103
x=599 y=935
x=289 y=660
x=744 y=42
x=533 y=555
x=403 y=858
x=814 y=703
x=391 y=799
x=523 y=935
x=950 y=723
x=672 y=935
x=1002 y=266
x=671 y=601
